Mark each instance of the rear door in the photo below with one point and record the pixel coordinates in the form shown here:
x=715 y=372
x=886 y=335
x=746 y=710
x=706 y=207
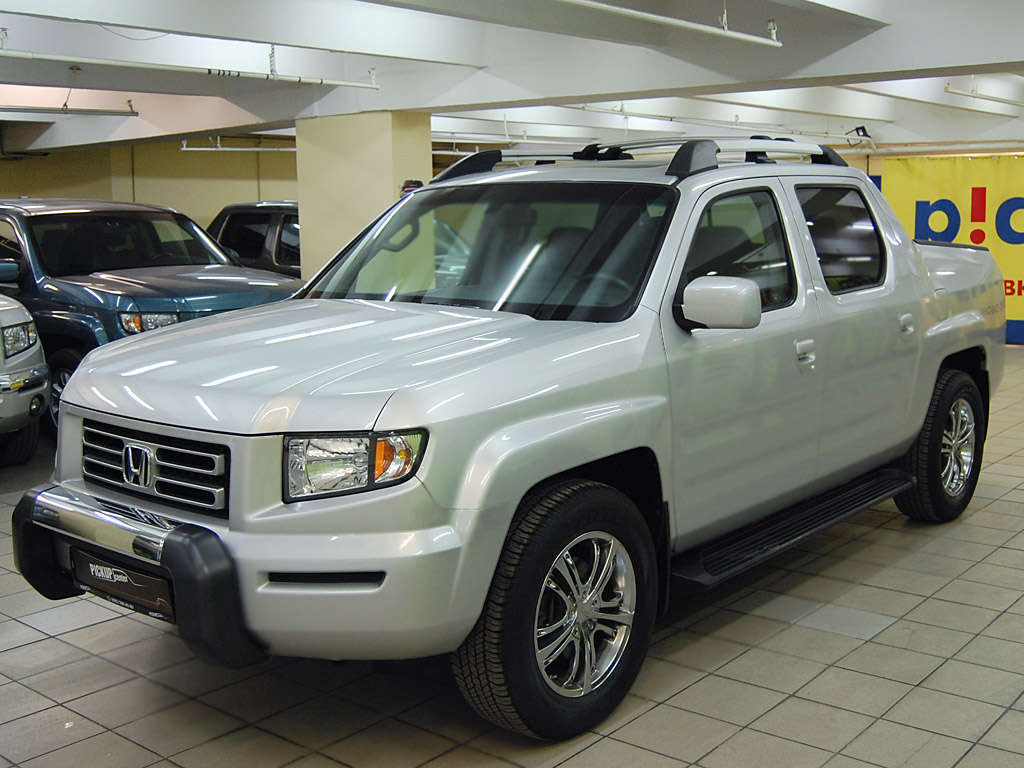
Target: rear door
x=745 y=403
x=869 y=336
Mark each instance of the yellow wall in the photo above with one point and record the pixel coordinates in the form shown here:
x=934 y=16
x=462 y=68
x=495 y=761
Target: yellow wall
x=350 y=169
x=197 y=183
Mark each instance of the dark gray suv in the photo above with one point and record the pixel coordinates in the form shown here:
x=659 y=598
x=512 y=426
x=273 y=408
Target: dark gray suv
x=265 y=235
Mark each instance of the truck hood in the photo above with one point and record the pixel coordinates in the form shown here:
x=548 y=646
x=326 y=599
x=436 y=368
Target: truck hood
x=12 y=312
x=195 y=288
x=283 y=367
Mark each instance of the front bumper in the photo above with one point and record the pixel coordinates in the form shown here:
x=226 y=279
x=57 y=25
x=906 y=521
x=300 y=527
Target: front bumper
x=238 y=594
x=24 y=394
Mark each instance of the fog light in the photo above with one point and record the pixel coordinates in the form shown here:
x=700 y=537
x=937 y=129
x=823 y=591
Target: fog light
x=35 y=406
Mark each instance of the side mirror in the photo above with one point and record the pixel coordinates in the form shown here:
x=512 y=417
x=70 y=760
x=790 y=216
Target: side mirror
x=10 y=271
x=723 y=302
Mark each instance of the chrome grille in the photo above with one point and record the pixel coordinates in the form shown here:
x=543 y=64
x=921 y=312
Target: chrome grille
x=188 y=474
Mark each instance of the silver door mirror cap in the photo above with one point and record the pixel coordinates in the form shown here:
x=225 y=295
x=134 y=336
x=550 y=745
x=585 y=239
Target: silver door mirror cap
x=723 y=302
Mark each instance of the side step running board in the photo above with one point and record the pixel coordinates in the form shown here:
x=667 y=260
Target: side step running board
x=730 y=554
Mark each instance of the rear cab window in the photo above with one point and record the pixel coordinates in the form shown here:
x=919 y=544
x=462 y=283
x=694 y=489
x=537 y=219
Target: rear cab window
x=845 y=237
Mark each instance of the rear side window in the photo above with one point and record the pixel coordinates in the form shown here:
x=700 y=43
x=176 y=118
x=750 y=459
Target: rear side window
x=845 y=236
x=288 y=241
x=741 y=236
x=246 y=233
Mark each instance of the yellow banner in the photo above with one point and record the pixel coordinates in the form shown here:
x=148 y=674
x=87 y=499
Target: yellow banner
x=971 y=200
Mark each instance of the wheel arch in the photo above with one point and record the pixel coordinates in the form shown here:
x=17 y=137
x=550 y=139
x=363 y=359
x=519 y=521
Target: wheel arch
x=974 y=362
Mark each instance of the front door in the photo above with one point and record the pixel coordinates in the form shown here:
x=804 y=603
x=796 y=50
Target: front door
x=745 y=403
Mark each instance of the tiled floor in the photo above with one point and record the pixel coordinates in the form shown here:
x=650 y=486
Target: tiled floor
x=880 y=643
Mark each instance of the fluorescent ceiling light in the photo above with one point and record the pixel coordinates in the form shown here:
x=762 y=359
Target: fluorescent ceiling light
x=69 y=111
x=983 y=96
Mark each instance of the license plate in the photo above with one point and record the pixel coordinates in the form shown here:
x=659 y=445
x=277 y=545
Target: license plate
x=132 y=589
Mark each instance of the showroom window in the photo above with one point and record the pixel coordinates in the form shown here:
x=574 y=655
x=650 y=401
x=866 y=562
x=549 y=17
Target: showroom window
x=246 y=233
x=288 y=241
x=741 y=236
x=845 y=237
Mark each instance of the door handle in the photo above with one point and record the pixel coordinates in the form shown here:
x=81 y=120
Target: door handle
x=907 y=324
x=805 y=352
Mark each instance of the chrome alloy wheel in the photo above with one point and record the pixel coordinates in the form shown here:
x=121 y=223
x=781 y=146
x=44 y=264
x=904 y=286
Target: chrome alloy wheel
x=584 y=614
x=59 y=380
x=957 y=448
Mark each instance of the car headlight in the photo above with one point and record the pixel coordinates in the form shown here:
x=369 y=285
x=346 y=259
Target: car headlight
x=331 y=465
x=137 y=322
x=18 y=338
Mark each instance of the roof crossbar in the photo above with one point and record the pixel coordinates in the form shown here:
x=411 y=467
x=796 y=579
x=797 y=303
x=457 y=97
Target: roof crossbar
x=695 y=155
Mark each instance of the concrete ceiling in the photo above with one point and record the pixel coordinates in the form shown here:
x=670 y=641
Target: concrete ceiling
x=530 y=71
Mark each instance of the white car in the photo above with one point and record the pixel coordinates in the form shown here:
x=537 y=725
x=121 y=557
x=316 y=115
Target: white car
x=24 y=378
x=642 y=375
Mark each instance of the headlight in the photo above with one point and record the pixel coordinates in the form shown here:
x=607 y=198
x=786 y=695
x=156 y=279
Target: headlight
x=137 y=322
x=18 y=338
x=330 y=465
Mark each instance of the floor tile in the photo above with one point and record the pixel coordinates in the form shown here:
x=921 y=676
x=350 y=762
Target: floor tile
x=178 y=728
x=108 y=635
x=981 y=756
x=150 y=655
x=697 y=651
x=725 y=699
x=121 y=704
x=925 y=638
x=258 y=697
x=105 y=749
x=812 y=644
x=888 y=602
x=389 y=743
x=813 y=723
x=14 y=633
x=248 y=748
x=892 y=663
x=628 y=710
x=1008 y=733
x=993 y=652
x=42 y=732
x=898 y=746
x=995 y=686
x=846 y=621
x=321 y=721
x=751 y=748
x=996 y=575
x=71 y=615
x=942 y=613
x=977 y=594
x=740 y=627
x=24 y=603
x=196 y=677
x=609 y=753
x=530 y=753
x=860 y=692
x=1009 y=626
x=460 y=757
x=78 y=678
x=659 y=680
x=38 y=657
x=17 y=701
x=945 y=713
x=771 y=670
x=389 y=693
x=676 y=732
x=771 y=605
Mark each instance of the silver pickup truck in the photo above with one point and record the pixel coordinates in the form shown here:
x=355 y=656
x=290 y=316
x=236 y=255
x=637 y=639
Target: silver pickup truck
x=518 y=409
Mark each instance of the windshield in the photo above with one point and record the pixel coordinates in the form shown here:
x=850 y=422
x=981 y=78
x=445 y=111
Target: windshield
x=562 y=251
x=80 y=243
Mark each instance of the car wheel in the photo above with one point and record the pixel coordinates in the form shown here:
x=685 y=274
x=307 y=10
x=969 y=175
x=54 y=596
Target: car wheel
x=946 y=457
x=568 y=617
x=62 y=363
x=20 y=446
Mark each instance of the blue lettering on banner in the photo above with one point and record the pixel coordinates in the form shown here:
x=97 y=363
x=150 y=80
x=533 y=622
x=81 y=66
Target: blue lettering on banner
x=1004 y=228
x=922 y=224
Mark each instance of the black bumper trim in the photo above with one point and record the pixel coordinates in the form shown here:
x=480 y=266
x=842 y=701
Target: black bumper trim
x=207 y=599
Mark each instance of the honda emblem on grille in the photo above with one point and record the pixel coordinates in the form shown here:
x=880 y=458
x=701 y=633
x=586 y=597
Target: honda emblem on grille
x=137 y=465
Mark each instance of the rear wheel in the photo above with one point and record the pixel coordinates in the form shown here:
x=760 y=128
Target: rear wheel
x=946 y=457
x=568 y=617
x=62 y=363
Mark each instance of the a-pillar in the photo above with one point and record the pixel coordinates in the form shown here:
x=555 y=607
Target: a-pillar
x=350 y=169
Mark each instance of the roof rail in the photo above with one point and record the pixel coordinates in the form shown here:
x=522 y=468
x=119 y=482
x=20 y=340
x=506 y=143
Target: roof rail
x=694 y=155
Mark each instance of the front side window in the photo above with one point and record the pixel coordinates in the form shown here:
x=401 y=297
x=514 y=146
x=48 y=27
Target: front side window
x=554 y=251
x=845 y=237
x=740 y=235
x=288 y=241
x=245 y=233
x=10 y=248
x=80 y=243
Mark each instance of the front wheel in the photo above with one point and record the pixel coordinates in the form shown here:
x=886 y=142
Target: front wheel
x=568 y=616
x=946 y=457
x=62 y=363
x=20 y=446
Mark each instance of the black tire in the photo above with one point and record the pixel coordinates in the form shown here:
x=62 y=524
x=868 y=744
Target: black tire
x=20 y=446
x=930 y=500
x=497 y=669
x=62 y=364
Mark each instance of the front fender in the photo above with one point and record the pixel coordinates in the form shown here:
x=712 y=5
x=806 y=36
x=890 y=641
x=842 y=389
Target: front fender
x=85 y=329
